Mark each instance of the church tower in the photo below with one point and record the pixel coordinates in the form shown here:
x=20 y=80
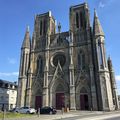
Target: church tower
x=43 y=27
x=104 y=92
x=82 y=66
x=24 y=64
x=39 y=65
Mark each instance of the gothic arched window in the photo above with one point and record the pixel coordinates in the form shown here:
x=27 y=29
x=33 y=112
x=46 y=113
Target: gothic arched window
x=39 y=65
x=81 y=19
x=81 y=60
x=22 y=70
x=77 y=20
x=40 y=27
x=100 y=55
x=44 y=27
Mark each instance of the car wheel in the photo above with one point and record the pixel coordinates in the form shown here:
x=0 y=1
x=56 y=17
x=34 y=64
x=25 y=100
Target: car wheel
x=50 y=112
x=28 y=112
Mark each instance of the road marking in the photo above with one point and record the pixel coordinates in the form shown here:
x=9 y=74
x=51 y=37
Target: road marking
x=102 y=117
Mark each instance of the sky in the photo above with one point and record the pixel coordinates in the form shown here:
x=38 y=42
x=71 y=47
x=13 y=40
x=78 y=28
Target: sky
x=16 y=15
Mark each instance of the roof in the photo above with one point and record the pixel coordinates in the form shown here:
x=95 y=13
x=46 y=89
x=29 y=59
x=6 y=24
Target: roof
x=79 y=5
x=8 y=82
x=49 y=14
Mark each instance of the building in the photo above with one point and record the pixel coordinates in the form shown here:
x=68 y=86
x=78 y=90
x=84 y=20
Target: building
x=119 y=99
x=66 y=69
x=8 y=94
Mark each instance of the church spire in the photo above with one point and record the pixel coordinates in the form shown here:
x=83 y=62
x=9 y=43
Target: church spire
x=26 y=41
x=113 y=83
x=110 y=64
x=97 y=28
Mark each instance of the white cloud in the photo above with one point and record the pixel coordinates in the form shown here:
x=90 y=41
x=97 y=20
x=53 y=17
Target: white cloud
x=12 y=60
x=101 y=5
x=9 y=74
x=117 y=77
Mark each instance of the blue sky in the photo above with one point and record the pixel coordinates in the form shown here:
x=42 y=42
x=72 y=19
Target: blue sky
x=15 y=15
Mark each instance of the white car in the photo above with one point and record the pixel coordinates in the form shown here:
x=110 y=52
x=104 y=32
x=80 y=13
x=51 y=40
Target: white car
x=27 y=110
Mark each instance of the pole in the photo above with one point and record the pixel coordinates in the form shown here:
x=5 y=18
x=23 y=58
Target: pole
x=4 y=114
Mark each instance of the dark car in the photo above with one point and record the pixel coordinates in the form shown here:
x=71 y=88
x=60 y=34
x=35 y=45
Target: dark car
x=14 y=110
x=48 y=110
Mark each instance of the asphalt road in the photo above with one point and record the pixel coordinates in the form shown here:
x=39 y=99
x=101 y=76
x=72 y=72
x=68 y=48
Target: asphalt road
x=94 y=116
x=75 y=115
x=116 y=118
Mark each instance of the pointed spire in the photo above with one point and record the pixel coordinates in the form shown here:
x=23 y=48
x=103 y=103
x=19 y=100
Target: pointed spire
x=27 y=28
x=26 y=41
x=109 y=58
x=110 y=63
x=97 y=28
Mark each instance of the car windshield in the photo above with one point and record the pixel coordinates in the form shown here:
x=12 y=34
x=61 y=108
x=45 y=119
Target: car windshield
x=46 y=107
x=24 y=108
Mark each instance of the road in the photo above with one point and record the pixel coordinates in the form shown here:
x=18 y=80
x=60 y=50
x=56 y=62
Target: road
x=76 y=115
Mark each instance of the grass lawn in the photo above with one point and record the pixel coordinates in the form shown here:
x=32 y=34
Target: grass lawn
x=14 y=115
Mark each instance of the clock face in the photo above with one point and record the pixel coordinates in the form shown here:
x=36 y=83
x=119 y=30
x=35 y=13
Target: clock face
x=59 y=58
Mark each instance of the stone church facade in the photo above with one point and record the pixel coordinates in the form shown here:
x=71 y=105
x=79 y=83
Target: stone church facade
x=66 y=69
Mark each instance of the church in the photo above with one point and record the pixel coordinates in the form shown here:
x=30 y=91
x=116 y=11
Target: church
x=66 y=69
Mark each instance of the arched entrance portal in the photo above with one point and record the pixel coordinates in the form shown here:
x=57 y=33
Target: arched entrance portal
x=84 y=103
x=38 y=102
x=60 y=97
x=38 y=97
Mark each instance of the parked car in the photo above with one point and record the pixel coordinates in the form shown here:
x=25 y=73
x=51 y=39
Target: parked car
x=48 y=110
x=14 y=110
x=27 y=110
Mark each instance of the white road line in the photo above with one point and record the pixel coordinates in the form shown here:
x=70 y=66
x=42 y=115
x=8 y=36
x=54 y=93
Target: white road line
x=102 y=117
